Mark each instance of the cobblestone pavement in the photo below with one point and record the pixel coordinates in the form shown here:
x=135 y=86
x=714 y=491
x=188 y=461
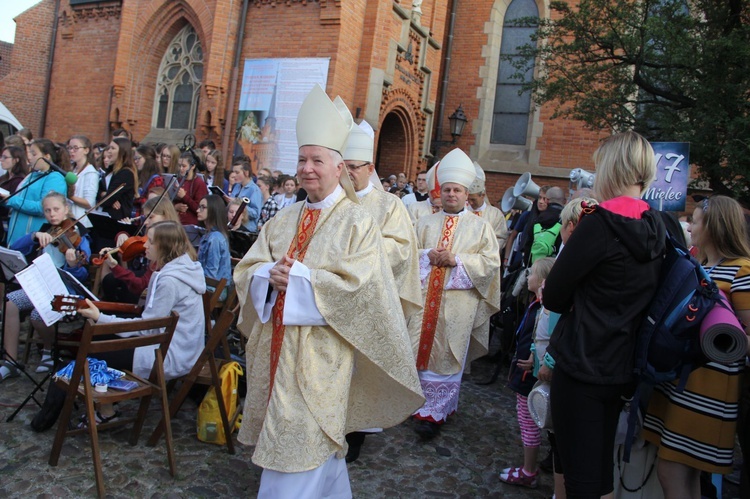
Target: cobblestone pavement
x=463 y=462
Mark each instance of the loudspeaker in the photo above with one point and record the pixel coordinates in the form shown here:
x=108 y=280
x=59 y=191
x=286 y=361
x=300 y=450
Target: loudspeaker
x=526 y=187
x=511 y=202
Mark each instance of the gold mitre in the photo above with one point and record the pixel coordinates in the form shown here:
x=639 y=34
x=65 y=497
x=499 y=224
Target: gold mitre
x=456 y=167
x=477 y=186
x=321 y=122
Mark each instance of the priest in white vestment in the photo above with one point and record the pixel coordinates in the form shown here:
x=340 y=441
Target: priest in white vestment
x=478 y=205
x=460 y=272
x=322 y=358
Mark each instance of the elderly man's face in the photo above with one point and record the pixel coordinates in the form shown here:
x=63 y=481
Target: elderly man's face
x=318 y=172
x=476 y=200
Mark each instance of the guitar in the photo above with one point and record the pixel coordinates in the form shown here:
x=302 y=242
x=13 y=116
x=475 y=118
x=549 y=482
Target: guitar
x=69 y=305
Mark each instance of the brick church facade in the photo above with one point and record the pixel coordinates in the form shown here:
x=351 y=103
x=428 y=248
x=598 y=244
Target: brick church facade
x=404 y=66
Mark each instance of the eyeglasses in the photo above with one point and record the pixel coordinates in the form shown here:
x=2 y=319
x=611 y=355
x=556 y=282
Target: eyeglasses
x=6 y=157
x=202 y=207
x=356 y=167
x=137 y=158
x=74 y=148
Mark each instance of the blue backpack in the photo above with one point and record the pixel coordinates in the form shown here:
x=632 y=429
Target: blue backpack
x=668 y=344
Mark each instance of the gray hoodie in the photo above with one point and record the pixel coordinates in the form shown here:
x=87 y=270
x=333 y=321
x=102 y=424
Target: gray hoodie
x=178 y=286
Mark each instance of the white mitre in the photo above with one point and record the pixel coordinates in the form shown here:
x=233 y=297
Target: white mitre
x=321 y=122
x=456 y=167
x=361 y=147
x=477 y=187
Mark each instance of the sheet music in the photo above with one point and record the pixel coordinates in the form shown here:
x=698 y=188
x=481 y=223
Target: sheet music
x=91 y=295
x=41 y=282
x=12 y=262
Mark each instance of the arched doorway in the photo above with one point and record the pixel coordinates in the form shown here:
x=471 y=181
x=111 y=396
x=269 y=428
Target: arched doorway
x=394 y=147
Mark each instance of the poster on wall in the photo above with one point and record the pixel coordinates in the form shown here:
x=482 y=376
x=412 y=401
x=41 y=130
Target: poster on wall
x=272 y=93
x=668 y=192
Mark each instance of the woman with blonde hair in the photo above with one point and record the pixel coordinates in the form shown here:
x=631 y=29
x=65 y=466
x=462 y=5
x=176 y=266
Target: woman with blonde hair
x=695 y=428
x=176 y=285
x=601 y=284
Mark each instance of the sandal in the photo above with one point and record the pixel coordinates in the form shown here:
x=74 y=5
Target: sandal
x=99 y=419
x=516 y=476
x=8 y=370
x=46 y=364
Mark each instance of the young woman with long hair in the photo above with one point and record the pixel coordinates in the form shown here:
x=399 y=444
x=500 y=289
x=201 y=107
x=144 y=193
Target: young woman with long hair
x=170 y=155
x=213 y=252
x=177 y=284
x=215 y=171
x=82 y=194
x=149 y=173
x=695 y=428
x=27 y=213
x=15 y=167
x=193 y=189
x=119 y=154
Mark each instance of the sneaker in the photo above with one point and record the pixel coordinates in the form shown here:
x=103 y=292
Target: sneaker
x=516 y=476
x=99 y=419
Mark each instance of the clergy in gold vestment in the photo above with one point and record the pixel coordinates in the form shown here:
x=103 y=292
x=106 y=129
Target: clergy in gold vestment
x=322 y=358
x=478 y=206
x=460 y=270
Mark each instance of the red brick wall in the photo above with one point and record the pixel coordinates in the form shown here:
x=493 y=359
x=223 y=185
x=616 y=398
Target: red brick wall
x=82 y=75
x=6 y=51
x=22 y=90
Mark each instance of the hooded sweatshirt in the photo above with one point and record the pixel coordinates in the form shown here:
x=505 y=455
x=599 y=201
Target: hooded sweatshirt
x=602 y=284
x=178 y=286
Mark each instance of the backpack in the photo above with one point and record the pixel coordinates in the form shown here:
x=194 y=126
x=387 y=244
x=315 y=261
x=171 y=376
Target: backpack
x=668 y=343
x=210 y=427
x=544 y=241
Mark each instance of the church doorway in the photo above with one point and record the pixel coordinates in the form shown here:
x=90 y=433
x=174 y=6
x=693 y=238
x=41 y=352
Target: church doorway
x=395 y=146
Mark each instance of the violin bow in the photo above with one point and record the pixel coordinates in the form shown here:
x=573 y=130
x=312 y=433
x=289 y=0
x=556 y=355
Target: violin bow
x=97 y=205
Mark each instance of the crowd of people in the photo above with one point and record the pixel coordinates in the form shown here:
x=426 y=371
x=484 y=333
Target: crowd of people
x=337 y=246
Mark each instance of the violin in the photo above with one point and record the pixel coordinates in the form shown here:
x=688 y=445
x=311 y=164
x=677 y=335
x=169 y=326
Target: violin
x=133 y=247
x=69 y=305
x=65 y=237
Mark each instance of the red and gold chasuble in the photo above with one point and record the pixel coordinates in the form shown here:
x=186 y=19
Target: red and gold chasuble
x=435 y=286
x=297 y=251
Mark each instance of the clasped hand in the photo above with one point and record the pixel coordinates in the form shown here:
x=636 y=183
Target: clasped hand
x=279 y=274
x=441 y=257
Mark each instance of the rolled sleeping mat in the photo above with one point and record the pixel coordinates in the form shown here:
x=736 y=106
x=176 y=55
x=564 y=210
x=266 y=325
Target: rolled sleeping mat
x=722 y=337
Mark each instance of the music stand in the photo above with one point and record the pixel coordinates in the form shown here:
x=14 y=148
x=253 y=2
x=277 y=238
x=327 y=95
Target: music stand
x=11 y=262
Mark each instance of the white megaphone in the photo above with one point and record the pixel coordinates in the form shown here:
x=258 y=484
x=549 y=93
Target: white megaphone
x=526 y=187
x=581 y=178
x=511 y=202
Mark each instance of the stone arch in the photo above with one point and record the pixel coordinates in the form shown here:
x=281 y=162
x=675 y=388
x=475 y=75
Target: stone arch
x=400 y=135
x=482 y=126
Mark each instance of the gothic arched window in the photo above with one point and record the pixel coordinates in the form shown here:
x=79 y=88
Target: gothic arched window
x=510 y=118
x=179 y=82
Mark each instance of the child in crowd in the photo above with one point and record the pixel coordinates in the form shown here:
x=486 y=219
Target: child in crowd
x=213 y=252
x=522 y=381
x=55 y=208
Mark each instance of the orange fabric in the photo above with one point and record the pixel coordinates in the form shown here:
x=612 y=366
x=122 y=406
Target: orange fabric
x=435 y=285
x=297 y=251
x=478 y=213
x=435 y=209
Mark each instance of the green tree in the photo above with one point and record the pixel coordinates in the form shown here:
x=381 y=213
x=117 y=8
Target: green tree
x=673 y=70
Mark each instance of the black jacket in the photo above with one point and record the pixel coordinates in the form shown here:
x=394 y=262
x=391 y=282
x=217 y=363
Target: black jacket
x=546 y=219
x=602 y=283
